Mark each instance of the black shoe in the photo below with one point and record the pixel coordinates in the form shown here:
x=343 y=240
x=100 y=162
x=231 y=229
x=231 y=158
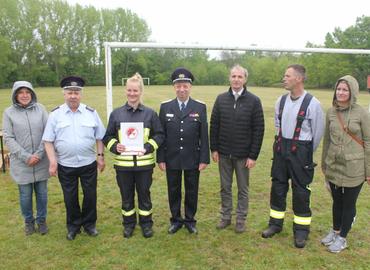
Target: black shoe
x=299 y=242
x=174 y=227
x=191 y=228
x=42 y=228
x=29 y=228
x=128 y=232
x=271 y=231
x=71 y=235
x=92 y=232
x=147 y=232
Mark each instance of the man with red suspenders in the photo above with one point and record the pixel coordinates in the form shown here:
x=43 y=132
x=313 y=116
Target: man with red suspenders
x=300 y=126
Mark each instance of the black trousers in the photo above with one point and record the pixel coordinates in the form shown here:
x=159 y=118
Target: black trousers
x=128 y=181
x=68 y=178
x=191 y=182
x=299 y=167
x=344 y=207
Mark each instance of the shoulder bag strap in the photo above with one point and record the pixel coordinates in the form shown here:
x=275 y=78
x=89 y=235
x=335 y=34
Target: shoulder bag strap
x=346 y=130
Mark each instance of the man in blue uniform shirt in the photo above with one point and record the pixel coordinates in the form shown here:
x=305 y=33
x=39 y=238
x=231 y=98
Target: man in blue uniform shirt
x=70 y=136
x=185 y=149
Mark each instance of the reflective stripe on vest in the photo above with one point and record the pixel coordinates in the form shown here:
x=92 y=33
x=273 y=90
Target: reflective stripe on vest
x=146 y=134
x=153 y=143
x=277 y=214
x=128 y=213
x=131 y=158
x=302 y=220
x=132 y=164
x=144 y=212
x=111 y=142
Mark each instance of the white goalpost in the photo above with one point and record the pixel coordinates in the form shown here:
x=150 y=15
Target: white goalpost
x=146 y=80
x=148 y=45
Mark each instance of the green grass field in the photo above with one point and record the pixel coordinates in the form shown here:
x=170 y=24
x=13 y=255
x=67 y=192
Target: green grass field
x=210 y=249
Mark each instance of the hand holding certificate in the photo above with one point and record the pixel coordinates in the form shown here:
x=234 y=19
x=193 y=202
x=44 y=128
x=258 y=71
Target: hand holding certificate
x=132 y=138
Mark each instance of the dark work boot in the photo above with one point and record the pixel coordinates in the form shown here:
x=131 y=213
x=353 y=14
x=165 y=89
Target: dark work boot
x=147 y=231
x=271 y=231
x=300 y=238
x=128 y=231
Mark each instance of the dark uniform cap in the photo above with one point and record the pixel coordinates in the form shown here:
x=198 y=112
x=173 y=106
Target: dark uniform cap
x=182 y=75
x=72 y=82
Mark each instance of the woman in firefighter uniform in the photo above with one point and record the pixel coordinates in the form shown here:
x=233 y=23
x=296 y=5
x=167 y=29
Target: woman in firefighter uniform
x=134 y=171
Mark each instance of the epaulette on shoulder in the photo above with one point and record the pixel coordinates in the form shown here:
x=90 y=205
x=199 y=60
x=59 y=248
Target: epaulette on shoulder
x=90 y=108
x=56 y=108
x=166 y=101
x=200 y=101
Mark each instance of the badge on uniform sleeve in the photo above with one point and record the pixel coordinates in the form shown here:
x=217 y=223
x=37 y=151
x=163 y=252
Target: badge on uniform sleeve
x=169 y=115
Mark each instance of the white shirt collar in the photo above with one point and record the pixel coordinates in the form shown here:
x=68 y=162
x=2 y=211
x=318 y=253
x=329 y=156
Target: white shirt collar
x=185 y=102
x=239 y=92
x=67 y=109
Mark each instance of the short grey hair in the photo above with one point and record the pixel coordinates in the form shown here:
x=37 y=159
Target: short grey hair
x=239 y=67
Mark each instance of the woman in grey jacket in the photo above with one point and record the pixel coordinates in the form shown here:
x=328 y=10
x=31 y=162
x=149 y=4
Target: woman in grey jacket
x=23 y=126
x=345 y=158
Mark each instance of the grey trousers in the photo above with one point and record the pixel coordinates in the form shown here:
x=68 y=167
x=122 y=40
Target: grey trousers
x=226 y=167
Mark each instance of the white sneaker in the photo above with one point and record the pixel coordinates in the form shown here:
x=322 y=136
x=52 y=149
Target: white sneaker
x=339 y=244
x=329 y=238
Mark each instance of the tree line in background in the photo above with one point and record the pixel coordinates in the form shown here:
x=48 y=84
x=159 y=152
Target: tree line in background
x=45 y=40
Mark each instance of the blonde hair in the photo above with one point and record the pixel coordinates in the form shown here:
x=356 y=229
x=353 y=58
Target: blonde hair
x=137 y=78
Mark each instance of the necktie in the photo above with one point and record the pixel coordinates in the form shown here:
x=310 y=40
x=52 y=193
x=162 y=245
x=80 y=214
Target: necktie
x=236 y=96
x=182 y=106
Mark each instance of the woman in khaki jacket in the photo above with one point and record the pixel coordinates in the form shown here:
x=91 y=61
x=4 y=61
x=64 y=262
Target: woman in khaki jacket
x=345 y=158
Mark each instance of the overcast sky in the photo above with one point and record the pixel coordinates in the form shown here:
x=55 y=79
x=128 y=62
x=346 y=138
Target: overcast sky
x=279 y=23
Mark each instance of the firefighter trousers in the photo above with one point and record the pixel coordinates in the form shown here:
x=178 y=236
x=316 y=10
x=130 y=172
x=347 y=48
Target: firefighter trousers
x=299 y=168
x=128 y=181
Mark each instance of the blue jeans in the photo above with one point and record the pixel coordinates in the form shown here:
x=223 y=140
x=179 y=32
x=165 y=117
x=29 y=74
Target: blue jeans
x=25 y=199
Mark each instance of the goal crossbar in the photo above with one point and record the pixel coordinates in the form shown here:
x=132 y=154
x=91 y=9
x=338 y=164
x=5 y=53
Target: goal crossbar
x=145 y=79
x=150 y=45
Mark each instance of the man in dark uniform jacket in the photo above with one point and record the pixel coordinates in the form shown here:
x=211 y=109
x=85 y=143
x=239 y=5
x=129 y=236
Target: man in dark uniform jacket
x=185 y=149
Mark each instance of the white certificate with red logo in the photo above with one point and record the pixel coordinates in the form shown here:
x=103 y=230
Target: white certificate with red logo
x=132 y=137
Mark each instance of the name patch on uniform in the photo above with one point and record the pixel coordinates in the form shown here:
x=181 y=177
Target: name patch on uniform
x=193 y=115
x=169 y=114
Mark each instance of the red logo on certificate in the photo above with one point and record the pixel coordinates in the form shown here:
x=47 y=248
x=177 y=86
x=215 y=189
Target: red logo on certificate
x=132 y=137
x=132 y=133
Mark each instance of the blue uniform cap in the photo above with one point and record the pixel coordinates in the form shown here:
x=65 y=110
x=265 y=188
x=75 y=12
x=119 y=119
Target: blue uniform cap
x=72 y=82
x=182 y=75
